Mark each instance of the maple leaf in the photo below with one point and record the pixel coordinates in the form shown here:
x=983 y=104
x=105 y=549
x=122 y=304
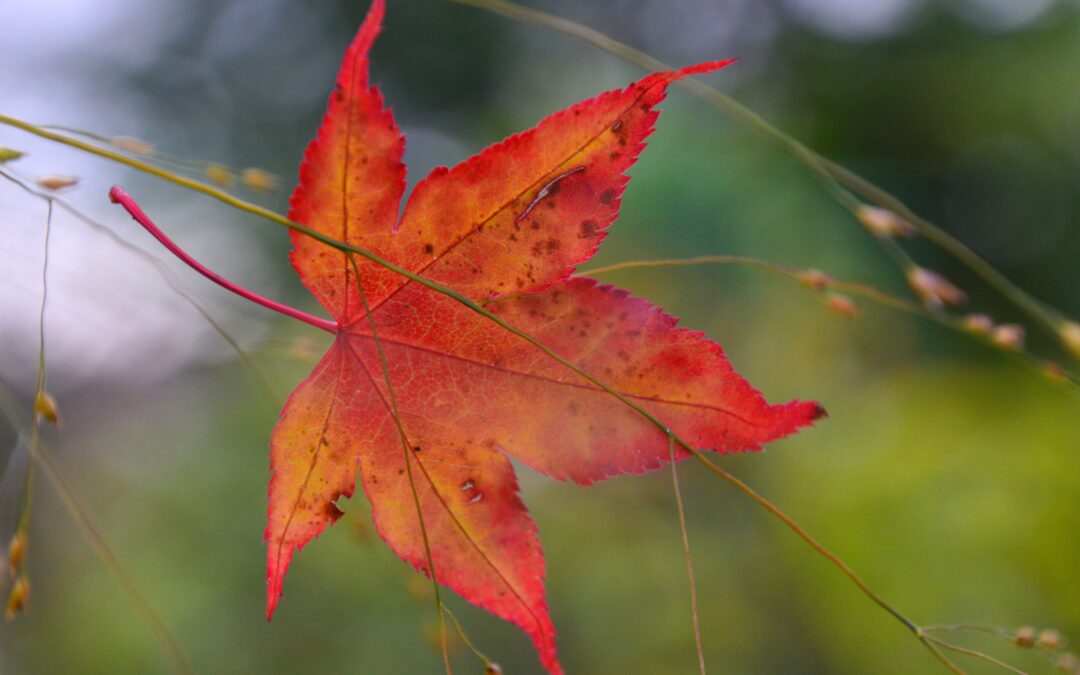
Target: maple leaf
x=504 y=228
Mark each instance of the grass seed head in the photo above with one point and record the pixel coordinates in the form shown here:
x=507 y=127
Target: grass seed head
x=45 y=408
x=219 y=175
x=19 y=597
x=979 y=324
x=933 y=289
x=841 y=305
x=57 y=182
x=9 y=155
x=17 y=549
x=259 y=180
x=883 y=222
x=1070 y=337
x=135 y=146
x=815 y=280
x=1049 y=639
x=1024 y=637
x=1008 y=336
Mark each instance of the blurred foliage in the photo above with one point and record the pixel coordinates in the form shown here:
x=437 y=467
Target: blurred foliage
x=946 y=475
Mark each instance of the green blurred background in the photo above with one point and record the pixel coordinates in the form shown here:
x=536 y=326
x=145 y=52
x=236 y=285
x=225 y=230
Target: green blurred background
x=946 y=474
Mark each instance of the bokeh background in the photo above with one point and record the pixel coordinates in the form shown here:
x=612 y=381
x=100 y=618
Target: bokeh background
x=947 y=475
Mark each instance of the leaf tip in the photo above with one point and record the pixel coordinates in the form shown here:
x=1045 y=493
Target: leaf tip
x=273 y=592
x=702 y=68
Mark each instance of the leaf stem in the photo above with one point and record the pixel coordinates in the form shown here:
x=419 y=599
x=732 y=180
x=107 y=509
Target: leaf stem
x=119 y=196
x=167 y=276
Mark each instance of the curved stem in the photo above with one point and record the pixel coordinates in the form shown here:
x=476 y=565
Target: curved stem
x=119 y=196
x=167 y=276
x=838 y=181
x=867 y=291
x=465 y=638
x=1050 y=318
x=974 y=653
x=829 y=555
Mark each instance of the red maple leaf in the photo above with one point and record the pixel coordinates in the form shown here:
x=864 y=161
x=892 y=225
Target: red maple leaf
x=428 y=399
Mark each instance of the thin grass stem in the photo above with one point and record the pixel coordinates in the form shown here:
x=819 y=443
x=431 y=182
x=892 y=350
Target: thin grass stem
x=93 y=535
x=406 y=448
x=866 y=291
x=686 y=552
x=836 y=179
x=465 y=638
x=974 y=653
x=39 y=383
x=272 y=398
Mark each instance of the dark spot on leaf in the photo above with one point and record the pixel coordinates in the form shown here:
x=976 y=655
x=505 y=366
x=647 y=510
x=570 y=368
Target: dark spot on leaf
x=588 y=229
x=607 y=196
x=429 y=249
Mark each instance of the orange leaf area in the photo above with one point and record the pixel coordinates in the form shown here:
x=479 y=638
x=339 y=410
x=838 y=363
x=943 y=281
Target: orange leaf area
x=505 y=228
